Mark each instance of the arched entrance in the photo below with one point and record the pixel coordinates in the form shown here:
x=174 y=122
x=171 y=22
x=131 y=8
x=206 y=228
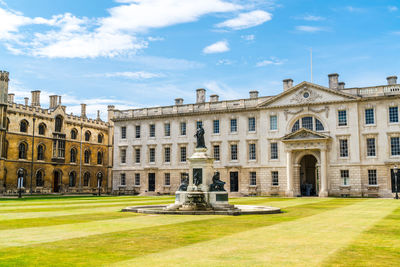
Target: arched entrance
x=56 y=181
x=309 y=184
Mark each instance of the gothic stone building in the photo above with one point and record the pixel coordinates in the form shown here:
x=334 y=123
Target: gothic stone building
x=57 y=152
x=307 y=140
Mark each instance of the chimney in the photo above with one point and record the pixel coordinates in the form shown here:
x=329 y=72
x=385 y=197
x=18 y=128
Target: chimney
x=53 y=101
x=178 y=101
x=214 y=98
x=110 y=114
x=35 y=102
x=253 y=94
x=98 y=115
x=341 y=85
x=4 y=87
x=83 y=110
x=59 y=100
x=391 y=80
x=26 y=100
x=333 y=81
x=11 y=98
x=200 y=95
x=287 y=84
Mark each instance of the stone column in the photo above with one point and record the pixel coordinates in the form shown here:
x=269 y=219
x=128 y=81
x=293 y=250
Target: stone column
x=289 y=174
x=324 y=176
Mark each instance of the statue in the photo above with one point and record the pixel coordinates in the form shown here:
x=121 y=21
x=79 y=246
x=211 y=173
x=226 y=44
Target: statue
x=217 y=184
x=200 y=137
x=184 y=184
x=197 y=176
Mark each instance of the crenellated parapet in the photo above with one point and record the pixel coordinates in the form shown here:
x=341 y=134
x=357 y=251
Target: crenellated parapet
x=4 y=76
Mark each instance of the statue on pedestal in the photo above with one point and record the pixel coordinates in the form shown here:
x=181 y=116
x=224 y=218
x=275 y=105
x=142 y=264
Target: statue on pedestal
x=200 y=137
x=217 y=184
x=184 y=183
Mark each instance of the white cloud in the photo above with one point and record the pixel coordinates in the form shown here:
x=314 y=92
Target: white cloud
x=249 y=37
x=218 y=47
x=154 y=39
x=355 y=9
x=312 y=18
x=222 y=90
x=138 y=75
x=224 y=62
x=393 y=8
x=310 y=29
x=246 y=20
x=271 y=61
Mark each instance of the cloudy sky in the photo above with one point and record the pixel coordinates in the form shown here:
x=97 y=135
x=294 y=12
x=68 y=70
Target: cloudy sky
x=139 y=53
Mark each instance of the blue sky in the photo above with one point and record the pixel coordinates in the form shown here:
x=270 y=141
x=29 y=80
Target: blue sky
x=138 y=53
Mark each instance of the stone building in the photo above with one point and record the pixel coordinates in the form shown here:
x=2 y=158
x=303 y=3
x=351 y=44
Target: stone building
x=57 y=152
x=307 y=140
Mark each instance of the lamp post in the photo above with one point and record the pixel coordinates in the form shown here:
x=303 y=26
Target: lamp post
x=20 y=182
x=396 y=181
x=99 y=180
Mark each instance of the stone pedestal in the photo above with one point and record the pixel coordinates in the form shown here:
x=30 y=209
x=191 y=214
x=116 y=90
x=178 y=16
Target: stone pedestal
x=201 y=162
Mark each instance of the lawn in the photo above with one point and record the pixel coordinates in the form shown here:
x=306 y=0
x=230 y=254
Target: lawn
x=91 y=231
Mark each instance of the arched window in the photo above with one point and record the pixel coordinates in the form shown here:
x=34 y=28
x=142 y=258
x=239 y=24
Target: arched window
x=58 y=123
x=100 y=138
x=99 y=157
x=40 y=152
x=86 y=179
x=22 y=149
x=39 y=178
x=5 y=149
x=72 y=179
x=87 y=156
x=74 y=134
x=42 y=128
x=8 y=123
x=23 y=126
x=73 y=155
x=308 y=122
x=87 y=136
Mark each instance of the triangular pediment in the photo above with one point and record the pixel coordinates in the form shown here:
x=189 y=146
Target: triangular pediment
x=307 y=93
x=305 y=134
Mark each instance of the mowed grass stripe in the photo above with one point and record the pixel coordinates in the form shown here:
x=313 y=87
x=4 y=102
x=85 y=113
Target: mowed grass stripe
x=303 y=242
x=113 y=247
x=378 y=246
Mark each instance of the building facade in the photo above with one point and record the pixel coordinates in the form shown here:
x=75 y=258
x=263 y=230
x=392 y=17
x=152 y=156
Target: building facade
x=57 y=152
x=309 y=140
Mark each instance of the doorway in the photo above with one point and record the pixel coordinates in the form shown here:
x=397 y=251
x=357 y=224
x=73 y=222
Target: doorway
x=234 y=181
x=308 y=176
x=56 y=182
x=152 y=182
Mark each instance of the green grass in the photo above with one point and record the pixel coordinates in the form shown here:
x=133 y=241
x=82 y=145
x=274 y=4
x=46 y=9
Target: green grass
x=310 y=232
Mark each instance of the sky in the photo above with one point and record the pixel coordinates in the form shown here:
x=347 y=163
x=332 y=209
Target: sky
x=142 y=53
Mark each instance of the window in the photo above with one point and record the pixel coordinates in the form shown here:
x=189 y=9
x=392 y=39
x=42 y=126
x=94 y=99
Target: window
x=233 y=125
x=42 y=129
x=137 y=131
x=72 y=179
x=152 y=130
x=58 y=124
x=307 y=122
x=393 y=114
x=343 y=148
x=216 y=152
x=137 y=155
x=87 y=136
x=273 y=122
x=167 y=179
x=100 y=138
x=372 y=178
x=22 y=148
x=183 y=128
x=369 y=116
x=199 y=124
x=86 y=179
x=318 y=125
x=87 y=156
x=74 y=134
x=274 y=150
x=253 y=178
x=395 y=146
x=344 y=174
x=252 y=124
x=123 y=155
x=216 y=126
x=275 y=178
x=23 y=126
x=73 y=155
x=40 y=152
x=296 y=126
x=167 y=129
x=252 y=151
x=99 y=157
x=167 y=154
x=152 y=155
x=39 y=178
x=342 y=117
x=137 y=178
x=371 y=152
x=234 y=152
x=183 y=154
x=123 y=132
x=59 y=146
x=122 y=179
